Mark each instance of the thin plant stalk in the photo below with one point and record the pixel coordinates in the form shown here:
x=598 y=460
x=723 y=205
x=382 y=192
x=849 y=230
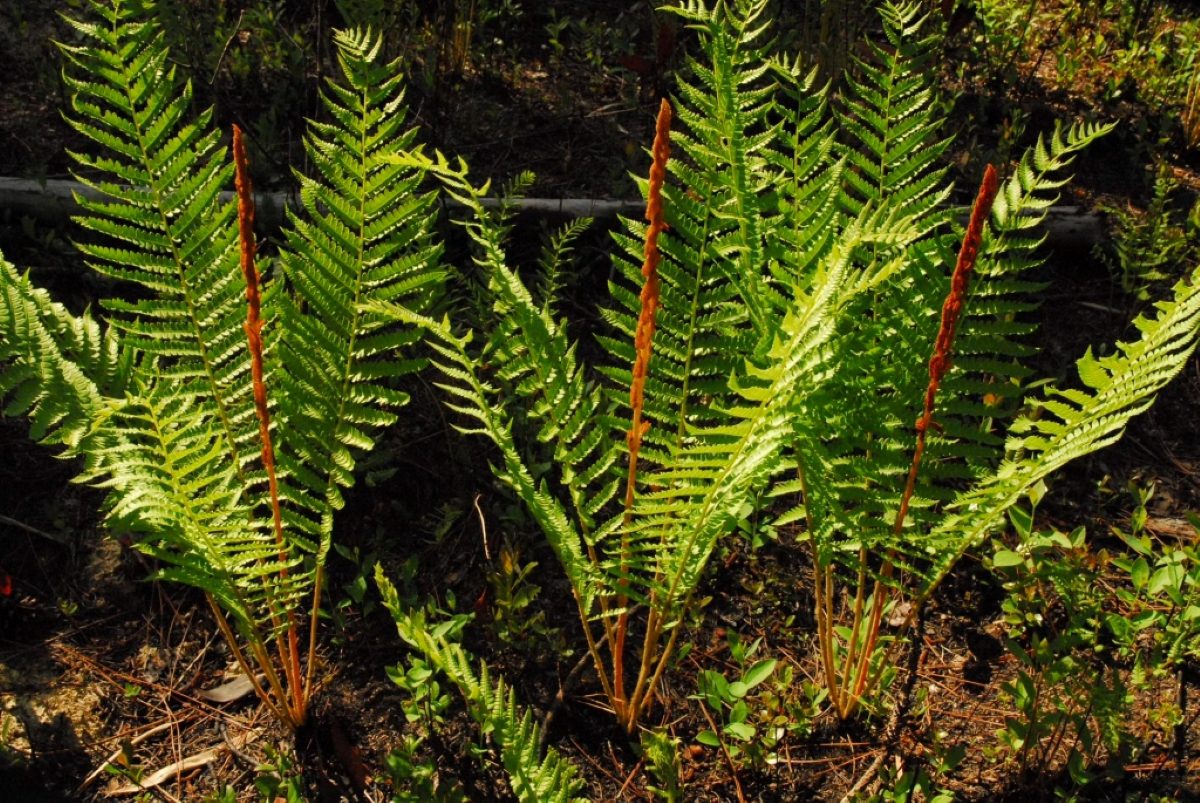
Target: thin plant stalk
x=643 y=342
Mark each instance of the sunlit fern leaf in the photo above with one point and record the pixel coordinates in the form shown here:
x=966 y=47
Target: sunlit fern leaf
x=891 y=117
x=987 y=382
x=695 y=496
x=161 y=458
x=55 y=367
x=555 y=258
x=1068 y=423
x=535 y=365
x=566 y=525
x=536 y=773
x=159 y=221
x=714 y=295
x=852 y=435
x=363 y=234
x=811 y=180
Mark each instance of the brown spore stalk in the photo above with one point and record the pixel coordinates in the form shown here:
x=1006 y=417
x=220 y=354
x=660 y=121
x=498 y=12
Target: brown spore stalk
x=253 y=328
x=939 y=364
x=643 y=342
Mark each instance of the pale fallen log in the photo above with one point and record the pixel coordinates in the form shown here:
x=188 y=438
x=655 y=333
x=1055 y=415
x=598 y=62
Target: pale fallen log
x=1067 y=227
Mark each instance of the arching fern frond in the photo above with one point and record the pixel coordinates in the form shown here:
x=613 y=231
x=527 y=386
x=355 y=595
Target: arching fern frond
x=364 y=234
x=1068 y=423
x=989 y=376
x=536 y=773
x=160 y=223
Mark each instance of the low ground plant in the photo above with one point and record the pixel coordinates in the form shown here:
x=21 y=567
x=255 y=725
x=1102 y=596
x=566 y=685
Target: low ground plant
x=1150 y=246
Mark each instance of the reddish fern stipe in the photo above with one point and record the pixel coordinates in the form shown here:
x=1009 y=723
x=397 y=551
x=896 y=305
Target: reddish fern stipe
x=643 y=342
x=253 y=329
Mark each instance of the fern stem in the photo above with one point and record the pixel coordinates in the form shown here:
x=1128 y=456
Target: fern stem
x=231 y=639
x=643 y=342
x=860 y=584
x=822 y=597
x=594 y=649
x=311 y=659
x=643 y=694
x=253 y=329
x=939 y=363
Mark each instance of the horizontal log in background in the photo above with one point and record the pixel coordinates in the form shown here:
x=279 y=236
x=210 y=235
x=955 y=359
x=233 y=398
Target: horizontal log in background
x=1069 y=228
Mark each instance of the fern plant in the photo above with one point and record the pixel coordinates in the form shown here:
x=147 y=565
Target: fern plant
x=536 y=774
x=796 y=251
x=231 y=487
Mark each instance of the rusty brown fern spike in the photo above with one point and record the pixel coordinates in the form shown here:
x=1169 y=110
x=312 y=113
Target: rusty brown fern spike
x=643 y=347
x=289 y=655
x=939 y=364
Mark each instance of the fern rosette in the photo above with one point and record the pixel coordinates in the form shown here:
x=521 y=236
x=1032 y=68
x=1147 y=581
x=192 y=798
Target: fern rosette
x=169 y=406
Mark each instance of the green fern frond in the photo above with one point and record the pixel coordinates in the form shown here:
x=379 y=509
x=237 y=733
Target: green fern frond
x=363 y=234
x=535 y=361
x=57 y=368
x=891 y=118
x=160 y=222
x=1068 y=423
x=536 y=773
x=476 y=400
x=161 y=457
x=987 y=383
x=697 y=494
x=555 y=256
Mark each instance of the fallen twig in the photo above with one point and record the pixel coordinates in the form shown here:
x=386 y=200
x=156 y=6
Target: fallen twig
x=116 y=754
x=20 y=525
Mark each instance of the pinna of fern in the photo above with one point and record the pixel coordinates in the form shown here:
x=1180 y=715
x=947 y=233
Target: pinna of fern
x=170 y=406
